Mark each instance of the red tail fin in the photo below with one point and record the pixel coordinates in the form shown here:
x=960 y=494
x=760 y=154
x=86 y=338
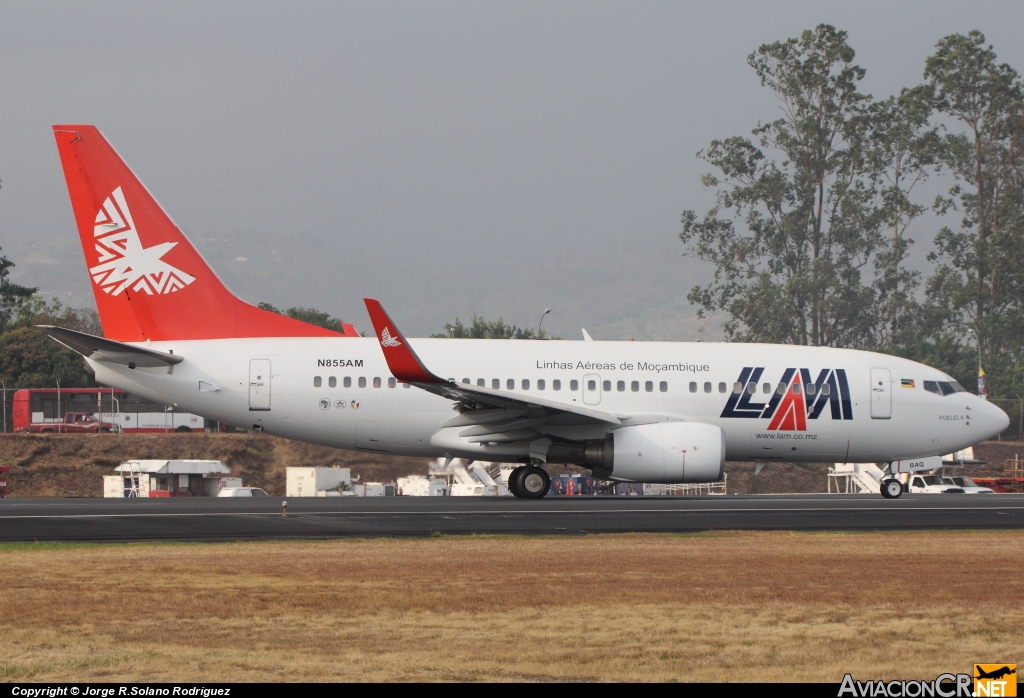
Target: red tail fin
x=148 y=279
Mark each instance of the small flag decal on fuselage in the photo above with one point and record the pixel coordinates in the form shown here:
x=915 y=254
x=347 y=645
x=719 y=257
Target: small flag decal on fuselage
x=907 y=382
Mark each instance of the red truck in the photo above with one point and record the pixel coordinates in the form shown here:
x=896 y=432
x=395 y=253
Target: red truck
x=74 y=423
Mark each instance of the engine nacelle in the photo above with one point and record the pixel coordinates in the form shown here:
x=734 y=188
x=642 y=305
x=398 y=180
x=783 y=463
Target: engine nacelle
x=666 y=452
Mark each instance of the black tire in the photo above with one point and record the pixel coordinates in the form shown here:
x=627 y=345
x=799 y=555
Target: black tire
x=513 y=481
x=534 y=483
x=183 y=430
x=892 y=489
x=46 y=431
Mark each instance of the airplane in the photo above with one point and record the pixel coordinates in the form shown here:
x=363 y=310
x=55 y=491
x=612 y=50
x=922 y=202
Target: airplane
x=660 y=412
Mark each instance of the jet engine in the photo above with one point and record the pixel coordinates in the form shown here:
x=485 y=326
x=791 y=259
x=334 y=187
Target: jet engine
x=667 y=452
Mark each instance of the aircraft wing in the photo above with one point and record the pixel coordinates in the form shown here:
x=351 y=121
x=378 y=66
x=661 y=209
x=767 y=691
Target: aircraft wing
x=109 y=351
x=492 y=415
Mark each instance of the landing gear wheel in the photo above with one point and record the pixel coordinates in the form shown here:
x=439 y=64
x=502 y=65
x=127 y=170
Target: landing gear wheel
x=533 y=483
x=892 y=489
x=513 y=480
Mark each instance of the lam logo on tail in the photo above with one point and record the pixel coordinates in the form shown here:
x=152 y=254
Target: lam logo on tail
x=123 y=262
x=386 y=340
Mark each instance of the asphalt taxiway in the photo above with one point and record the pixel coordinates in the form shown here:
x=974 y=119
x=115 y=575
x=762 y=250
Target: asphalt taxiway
x=261 y=519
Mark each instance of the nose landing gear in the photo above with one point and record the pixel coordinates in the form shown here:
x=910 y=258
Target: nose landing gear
x=891 y=488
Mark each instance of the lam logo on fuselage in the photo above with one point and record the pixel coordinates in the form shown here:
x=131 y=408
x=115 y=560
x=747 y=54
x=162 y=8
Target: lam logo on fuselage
x=795 y=400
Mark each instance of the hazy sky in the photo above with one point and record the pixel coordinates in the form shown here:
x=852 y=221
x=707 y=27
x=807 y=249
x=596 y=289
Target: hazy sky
x=447 y=158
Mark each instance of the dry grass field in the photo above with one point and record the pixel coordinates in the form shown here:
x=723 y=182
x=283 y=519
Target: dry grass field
x=725 y=606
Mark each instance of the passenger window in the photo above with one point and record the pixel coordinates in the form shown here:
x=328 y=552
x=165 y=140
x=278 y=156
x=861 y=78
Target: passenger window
x=766 y=388
x=317 y=381
x=722 y=387
x=810 y=388
x=707 y=387
x=737 y=388
x=693 y=387
x=332 y=382
x=376 y=382
x=348 y=381
x=574 y=385
x=796 y=388
x=465 y=381
x=826 y=390
x=649 y=386
x=607 y=385
x=510 y=384
x=540 y=384
x=781 y=388
x=362 y=381
x=591 y=385
x=406 y=385
x=526 y=384
x=495 y=383
x=620 y=385
x=751 y=387
x=556 y=384
x=635 y=386
x=663 y=387
x=392 y=382
x=480 y=382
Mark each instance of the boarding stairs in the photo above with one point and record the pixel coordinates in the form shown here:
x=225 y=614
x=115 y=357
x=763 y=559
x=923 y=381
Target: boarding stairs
x=855 y=478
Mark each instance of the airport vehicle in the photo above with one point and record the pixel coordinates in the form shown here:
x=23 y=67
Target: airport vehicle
x=932 y=484
x=46 y=410
x=658 y=412
x=242 y=492
x=968 y=485
x=74 y=423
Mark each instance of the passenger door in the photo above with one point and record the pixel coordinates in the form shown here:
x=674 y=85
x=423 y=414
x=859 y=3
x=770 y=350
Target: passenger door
x=881 y=393
x=591 y=389
x=259 y=385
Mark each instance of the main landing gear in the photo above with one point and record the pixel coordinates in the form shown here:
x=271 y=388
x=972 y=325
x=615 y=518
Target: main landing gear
x=891 y=488
x=529 y=482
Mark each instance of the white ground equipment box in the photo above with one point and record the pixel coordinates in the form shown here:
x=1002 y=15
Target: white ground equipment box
x=317 y=482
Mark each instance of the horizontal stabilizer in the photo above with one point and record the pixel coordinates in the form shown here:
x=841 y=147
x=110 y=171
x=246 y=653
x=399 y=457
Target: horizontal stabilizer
x=109 y=351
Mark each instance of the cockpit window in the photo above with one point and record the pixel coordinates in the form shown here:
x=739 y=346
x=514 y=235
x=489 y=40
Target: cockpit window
x=943 y=387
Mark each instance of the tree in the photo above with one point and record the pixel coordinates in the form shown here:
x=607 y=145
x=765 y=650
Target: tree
x=978 y=285
x=903 y=149
x=30 y=359
x=11 y=295
x=811 y=219
x=38 y=311
x=308 y=315
x=482 y=329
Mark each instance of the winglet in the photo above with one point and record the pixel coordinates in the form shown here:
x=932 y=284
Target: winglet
x=402 y=360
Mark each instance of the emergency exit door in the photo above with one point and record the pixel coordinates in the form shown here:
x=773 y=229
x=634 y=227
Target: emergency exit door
x=881 y=393
x=259 y=385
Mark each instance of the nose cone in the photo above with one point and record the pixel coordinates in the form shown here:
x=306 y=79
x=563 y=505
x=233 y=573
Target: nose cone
x=993 y=420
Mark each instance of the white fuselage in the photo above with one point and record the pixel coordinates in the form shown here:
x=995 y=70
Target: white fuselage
x=874 y=419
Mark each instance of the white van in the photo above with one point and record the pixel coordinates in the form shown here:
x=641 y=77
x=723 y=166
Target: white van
x=968 y=485
x=242 y=492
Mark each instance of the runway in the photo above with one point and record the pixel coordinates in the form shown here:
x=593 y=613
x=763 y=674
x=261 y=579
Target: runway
x=261 y=519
